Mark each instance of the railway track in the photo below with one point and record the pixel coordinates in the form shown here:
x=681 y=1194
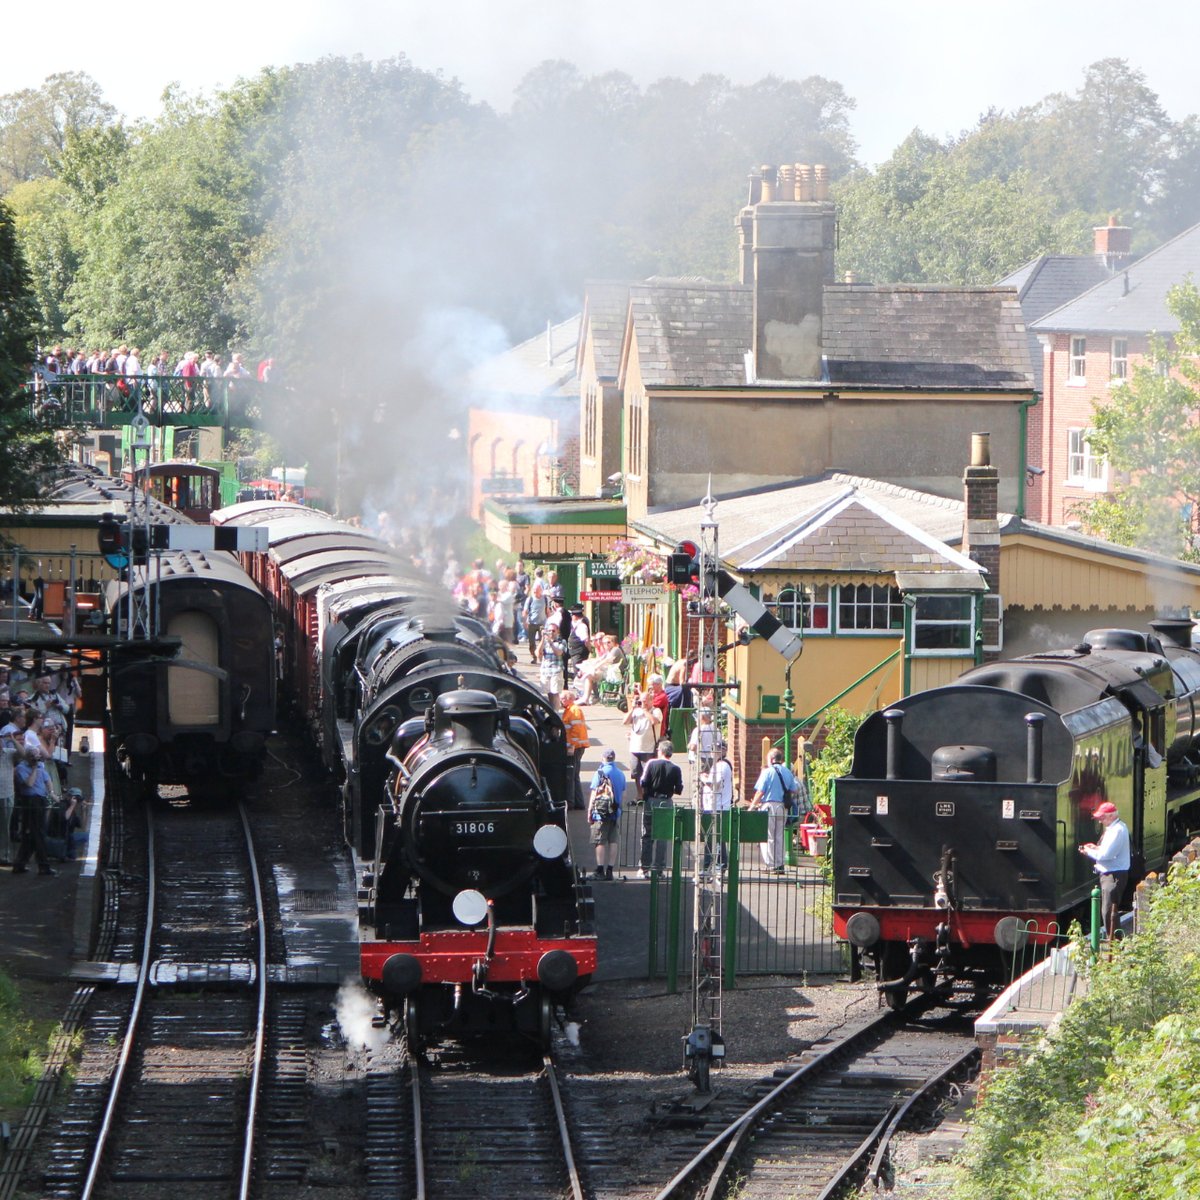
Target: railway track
x=473 y=1128
x=809 y=1132
x=167 y=1094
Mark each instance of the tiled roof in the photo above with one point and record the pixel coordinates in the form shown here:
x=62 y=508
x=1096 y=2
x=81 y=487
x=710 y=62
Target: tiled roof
x=850 y=532
x=699 y=334
x=751 y=523
x=1048 y=282
x=1135 y=299
x=925 y=337
x=605 y=308
x=691 y=334
x=542 y=366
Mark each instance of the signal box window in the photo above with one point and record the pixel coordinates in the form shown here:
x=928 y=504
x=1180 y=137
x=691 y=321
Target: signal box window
x=944 y=625
x=1078 y=367
x=1119 y=369
x=805 y=608
x=869 y=608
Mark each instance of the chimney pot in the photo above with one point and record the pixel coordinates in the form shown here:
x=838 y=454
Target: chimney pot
x=820 y=182
x=787 y=182
x=804 y=182
x=980 y=450
x=768 y=183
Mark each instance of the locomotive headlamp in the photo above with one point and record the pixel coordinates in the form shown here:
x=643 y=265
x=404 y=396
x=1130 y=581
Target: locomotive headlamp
x=863 y=929
x=550 y=841
x=470 y=907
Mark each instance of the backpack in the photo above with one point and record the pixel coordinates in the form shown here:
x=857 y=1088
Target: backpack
x=604 y=802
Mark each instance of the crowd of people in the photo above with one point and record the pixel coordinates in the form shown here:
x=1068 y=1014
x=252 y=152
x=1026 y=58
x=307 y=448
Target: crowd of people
x=37 y=713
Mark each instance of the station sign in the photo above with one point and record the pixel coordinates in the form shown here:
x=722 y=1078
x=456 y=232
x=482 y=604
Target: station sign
x=606 y=595
x=642 y=593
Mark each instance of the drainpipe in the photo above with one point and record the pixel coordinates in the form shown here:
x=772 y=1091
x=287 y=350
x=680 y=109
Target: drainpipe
x=1023 y=451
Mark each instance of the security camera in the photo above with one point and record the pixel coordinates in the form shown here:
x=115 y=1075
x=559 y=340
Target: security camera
x=1035 y=470
x=616 y=478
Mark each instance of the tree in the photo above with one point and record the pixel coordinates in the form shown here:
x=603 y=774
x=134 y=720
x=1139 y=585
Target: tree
x=1149 y=434
x=47 y=232
x=36 y=124
x=28 y=449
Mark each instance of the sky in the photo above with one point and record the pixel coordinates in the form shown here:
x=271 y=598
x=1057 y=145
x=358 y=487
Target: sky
x=936 y=64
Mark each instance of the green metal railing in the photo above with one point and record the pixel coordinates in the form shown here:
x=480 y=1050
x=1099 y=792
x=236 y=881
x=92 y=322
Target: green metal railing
x=108 y=401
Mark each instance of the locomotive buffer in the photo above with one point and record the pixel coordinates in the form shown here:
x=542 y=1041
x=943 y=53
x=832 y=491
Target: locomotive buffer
x=700 y=565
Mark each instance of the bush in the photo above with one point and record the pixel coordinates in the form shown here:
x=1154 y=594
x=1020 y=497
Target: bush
x=1108 y=1106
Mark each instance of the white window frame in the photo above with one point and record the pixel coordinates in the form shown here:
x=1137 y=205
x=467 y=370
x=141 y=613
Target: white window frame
x=1084 y=468
x=966 y=623
x=895 y=601
x=1119 y=360
x=1077 y=361
x=990 y=601
x=806 y=598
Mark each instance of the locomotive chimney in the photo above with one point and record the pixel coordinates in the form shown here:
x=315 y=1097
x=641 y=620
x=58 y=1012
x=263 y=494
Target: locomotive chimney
x=1034 y=723
x=893 y=717
x=981 y=525
x=1174 y=631
x=787 y=246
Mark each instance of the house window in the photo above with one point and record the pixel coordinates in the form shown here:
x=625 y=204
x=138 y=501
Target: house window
x=1119 y=368
x=869 y=608
x=992 y=618
x=1078 y=368
x=944 y=625
x=1085 y=468
x=804 y=608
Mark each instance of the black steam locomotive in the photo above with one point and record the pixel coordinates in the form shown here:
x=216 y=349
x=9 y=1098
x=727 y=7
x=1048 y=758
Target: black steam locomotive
x=957 y=829
x=454 y=778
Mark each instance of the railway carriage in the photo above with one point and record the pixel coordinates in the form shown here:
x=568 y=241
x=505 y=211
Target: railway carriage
x=958 y=826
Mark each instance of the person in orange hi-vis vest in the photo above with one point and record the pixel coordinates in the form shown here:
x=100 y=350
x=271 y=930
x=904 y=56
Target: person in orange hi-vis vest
x=577 y=742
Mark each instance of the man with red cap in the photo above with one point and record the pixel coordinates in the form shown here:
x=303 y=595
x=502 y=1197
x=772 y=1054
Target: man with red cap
x=1111 y=859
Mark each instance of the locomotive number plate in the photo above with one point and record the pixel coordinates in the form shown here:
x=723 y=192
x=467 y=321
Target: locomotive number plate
x=467 y=828
x=943 y=808
x=1031 y=814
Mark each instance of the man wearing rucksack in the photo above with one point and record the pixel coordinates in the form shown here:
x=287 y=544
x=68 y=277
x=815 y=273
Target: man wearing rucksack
x=604 y=813
x=774 y=790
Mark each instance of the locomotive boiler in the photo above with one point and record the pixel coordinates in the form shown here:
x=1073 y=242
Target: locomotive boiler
x=957 y=828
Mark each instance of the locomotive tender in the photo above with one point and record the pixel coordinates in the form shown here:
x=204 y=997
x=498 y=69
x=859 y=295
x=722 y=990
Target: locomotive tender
x=958 y=826
x=454 y=777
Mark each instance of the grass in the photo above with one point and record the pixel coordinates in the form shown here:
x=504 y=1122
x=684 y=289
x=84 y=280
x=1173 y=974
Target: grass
x=24 y=1039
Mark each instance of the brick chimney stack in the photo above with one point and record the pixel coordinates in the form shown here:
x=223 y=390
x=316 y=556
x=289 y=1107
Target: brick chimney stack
x=1113 y=244
x=787 y=234
x=981 y=525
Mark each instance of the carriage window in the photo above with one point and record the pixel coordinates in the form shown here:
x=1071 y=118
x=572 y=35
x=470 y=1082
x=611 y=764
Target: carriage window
x=944 y=625
x=869 y=608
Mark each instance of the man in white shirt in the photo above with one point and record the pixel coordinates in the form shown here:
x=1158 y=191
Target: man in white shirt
x=716 y=796
x=1111 y=858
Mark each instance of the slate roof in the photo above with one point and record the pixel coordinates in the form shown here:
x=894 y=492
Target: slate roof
x=691 y=334
x=699 y=335
x=541 y=366
x=898 y=336
x=1135 y=299
x=605 y=308
x=768 y=527
x=1048 y=282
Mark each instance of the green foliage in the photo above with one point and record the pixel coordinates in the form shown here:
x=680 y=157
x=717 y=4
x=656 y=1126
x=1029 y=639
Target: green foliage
x=1108 y=1106
x=47 y=233
x=837 y=753
x=1148 y=433
x=20 y=1044
x=28 y=450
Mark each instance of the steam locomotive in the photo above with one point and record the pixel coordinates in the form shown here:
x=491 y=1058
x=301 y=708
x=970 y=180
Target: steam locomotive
x=454 y=777
x=958 y=826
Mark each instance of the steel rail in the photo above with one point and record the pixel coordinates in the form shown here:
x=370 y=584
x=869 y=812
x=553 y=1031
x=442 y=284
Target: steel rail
x=966 y=1059
x=131 y=1031
x=261 y=1018
x=563 y=1131
x=418 y=1128
x=731 y=1139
